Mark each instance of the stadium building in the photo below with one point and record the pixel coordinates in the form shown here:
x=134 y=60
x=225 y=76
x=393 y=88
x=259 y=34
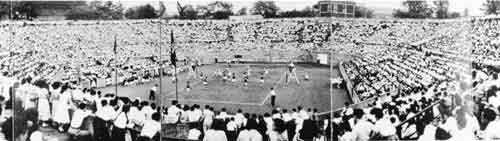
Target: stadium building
x=330 y=8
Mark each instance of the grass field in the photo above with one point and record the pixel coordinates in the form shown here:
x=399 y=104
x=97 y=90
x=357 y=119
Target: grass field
x=313 y=93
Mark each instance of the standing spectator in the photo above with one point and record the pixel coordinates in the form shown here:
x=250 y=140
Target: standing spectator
x=362 y=128
x=152 y=92
x=231 y=127
x=278 y=133
x=273 y=96
x=250 y=133
x=309 y=130
x=151 y=128
x=120 y=123
x=216 y=133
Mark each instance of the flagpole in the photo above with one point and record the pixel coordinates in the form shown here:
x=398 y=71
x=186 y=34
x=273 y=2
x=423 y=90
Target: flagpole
x=176 y=81
x=160 y=94
x=116 y=69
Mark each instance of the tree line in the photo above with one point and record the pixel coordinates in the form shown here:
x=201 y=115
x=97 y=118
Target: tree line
x=113 y=10
x=422 y=9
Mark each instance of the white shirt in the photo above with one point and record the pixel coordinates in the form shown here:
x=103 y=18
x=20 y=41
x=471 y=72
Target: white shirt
x=215 y=135
x=193 y=134
x=194 y=115
x=148 y=111
x=150 y=128
x=287 y=117
x=121 y=120
x=173 y=110
x=492 y=130
x=136 y=116
x=106 y=113
x=384 y=127
x=249 y=135
x=273 y=93
x=231 y=126
x=78 y=117
x=362 y=129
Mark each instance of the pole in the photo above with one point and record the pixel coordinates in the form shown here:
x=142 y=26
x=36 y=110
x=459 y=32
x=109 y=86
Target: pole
x=160 y=94
x=116 y=71
x=331 y=91
x=176 y=83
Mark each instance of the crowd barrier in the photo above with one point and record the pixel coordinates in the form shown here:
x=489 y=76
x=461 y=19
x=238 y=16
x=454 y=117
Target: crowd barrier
x=352 y=94
x=175 y=131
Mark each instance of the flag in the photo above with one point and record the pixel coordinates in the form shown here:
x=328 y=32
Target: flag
x=162 y=9
x=171 y=37
x=115 y=46
x=180 y=9
x=173 y=56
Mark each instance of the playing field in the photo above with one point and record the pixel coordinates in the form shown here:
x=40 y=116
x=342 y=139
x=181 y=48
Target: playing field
x=312 y=93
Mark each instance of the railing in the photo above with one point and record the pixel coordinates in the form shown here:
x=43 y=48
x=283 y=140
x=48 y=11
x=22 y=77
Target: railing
x=352 y=94
x=176 y=131
x=426 y=109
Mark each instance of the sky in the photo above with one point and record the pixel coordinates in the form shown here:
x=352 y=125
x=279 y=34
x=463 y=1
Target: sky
x=380 y=7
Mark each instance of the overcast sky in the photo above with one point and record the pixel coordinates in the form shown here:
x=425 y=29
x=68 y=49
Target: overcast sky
x=383 y=7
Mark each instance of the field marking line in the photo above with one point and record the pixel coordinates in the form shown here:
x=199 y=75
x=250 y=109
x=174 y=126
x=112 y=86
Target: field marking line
x=221 y=102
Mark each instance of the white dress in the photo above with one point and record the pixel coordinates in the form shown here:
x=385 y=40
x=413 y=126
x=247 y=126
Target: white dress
x=62 y=107
x=43 y=105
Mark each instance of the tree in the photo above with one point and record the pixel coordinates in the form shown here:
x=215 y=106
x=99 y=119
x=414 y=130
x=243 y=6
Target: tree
x=97 y=10
x=203 y=11
x=360 y=11
x=454 y=15
x=268 y=9
x=141 y=12
x=190 y=13
x=187 y=11
x=441 y=8
x=242 y=11
x=414 y=9
x=306 y=12
x=220 y=10
x=491 y=7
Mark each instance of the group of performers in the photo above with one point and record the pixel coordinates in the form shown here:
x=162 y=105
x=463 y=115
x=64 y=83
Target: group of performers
x=228 y=75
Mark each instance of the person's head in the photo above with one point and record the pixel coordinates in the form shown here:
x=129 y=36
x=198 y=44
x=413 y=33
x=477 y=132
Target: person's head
x=104 y=103
x=126 y=108
x=377 y=112
x=279 y=125
x=299 y=108
x=153 y=106
x=174 y=102
x=240 y=111
x=113 y=102
x=223 y=109
x=82 y=106
x=156 y=116
x=207 y=107
x=186 y=108
x=358 y=113
x=135 y=103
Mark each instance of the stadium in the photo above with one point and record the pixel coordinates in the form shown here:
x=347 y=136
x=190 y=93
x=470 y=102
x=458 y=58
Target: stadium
x=334 y=76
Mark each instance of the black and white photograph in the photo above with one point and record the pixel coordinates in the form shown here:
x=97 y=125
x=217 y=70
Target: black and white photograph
x=249 y=70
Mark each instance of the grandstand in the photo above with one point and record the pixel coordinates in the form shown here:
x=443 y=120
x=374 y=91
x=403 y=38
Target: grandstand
x=406 y=78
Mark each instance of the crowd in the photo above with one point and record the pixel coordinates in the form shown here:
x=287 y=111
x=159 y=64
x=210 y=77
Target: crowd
x=87 y=114
x=456 y=68
x=405 y=65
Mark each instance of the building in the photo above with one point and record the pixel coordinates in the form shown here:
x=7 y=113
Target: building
x=330 y=8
